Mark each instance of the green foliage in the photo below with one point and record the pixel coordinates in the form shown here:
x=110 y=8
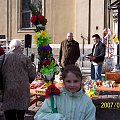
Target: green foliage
x=52 y=68
x=36 y=7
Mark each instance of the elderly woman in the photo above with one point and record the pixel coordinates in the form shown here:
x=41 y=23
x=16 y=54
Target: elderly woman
x=17 y=71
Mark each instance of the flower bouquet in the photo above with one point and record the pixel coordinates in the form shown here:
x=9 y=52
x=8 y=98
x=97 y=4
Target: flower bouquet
x=51 y=93
x=48 y=71
x=37 y=18
x=46 y=63
x=39 y=21
x=42 y=38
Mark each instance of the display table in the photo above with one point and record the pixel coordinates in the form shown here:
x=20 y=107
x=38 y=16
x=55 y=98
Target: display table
x=38 y=93
x=108 y=89
x=113 y=76
x=103 y=88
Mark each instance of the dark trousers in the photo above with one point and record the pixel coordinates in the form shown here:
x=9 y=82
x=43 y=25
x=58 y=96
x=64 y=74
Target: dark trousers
x=14 y=114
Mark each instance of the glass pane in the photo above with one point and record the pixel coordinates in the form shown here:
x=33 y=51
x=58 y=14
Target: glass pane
x=25 y=5
x=26 y=13
x=26 y=20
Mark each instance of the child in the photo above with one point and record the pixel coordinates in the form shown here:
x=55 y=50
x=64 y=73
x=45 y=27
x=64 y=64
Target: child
x=72 y=103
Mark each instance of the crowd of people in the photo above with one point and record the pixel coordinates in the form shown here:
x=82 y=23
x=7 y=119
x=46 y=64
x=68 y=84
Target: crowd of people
x=72 y=103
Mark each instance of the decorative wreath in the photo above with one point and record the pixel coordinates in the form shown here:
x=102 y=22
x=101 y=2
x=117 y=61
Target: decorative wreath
x=107 y=33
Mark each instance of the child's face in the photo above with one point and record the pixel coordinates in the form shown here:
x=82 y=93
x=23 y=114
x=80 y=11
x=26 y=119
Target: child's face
x=72 y=83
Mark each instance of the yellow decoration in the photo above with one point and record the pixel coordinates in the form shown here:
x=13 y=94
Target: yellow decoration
x=49 y=83
x=42 y=38
x=113 y=36
x=44 y=33
x=90 y=93
x=115 y=39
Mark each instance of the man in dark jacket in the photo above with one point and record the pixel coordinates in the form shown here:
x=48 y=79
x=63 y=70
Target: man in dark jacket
x=69 y=51
x=97 y=57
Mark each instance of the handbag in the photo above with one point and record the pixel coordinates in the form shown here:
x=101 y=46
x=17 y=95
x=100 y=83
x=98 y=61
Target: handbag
x=1 y=76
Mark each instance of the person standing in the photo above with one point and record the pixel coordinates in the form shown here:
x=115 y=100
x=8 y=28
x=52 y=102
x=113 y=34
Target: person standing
x=17 y=71
x=69 y=51
x=97 y=57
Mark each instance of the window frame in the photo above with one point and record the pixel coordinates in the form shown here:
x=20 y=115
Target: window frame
x=19 y=17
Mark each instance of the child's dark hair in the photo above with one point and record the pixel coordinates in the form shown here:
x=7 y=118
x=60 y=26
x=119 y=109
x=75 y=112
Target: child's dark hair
x=71 y=68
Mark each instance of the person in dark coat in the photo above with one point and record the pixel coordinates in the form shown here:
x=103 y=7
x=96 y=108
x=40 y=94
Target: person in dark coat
x=17 y=71
x=69 y=51
x=97 y=57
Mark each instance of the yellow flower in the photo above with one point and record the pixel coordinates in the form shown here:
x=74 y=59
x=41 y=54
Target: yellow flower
x=44 y=33
x=90 y=93
x=42 y=38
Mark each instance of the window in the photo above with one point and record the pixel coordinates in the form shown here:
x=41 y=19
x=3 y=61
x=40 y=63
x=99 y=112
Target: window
x=26 y=13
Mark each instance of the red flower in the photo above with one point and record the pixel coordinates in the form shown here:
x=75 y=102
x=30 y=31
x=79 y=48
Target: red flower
x=33 y=19
x=46 y=62
x=39 y=66
x=41 y=18
x=52 y=90
x=1 y=51
x=38 y=20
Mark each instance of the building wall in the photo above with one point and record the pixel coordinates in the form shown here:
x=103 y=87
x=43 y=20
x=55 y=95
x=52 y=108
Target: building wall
x=3 y=18
x=97 y=19
x=82 y=7
x=63 y=16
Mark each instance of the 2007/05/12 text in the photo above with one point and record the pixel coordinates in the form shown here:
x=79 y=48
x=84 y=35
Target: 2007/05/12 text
x=110 y=105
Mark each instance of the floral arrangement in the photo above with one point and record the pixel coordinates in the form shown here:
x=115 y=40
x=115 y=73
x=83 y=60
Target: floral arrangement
x=107 y=33
x=46 y=63
x=42 y=38
x=90 y=87
x=50 y=68
x=38 y=19
x=50 y=93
